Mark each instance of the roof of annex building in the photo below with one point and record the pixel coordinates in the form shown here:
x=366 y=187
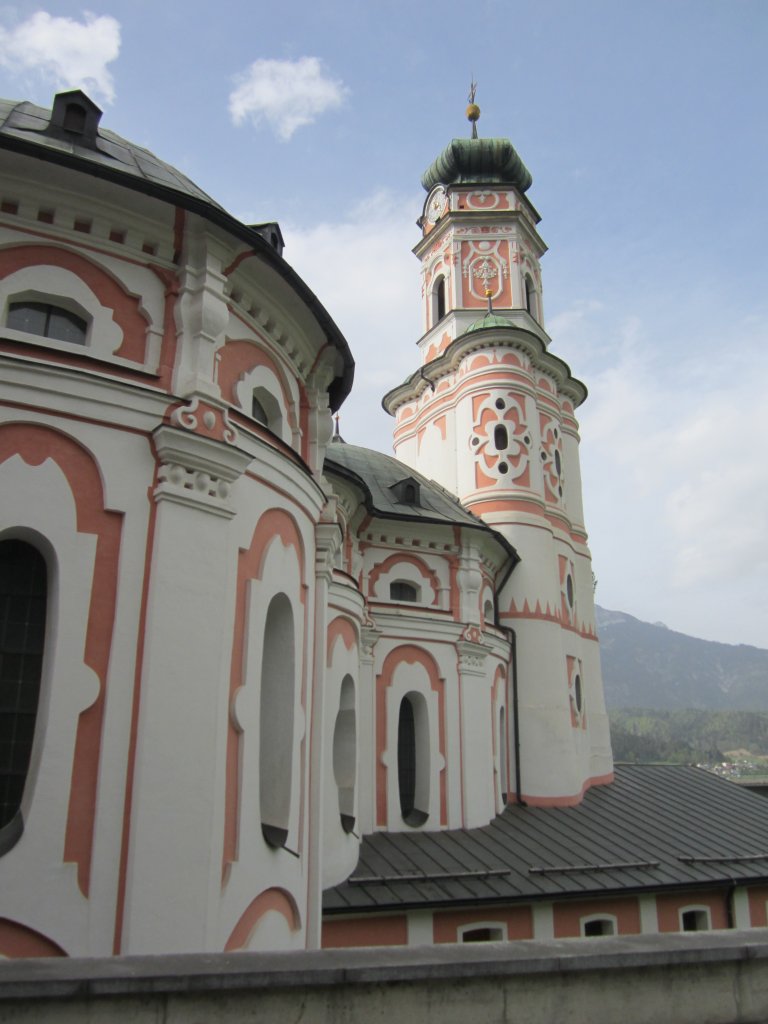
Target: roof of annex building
x=655 y=827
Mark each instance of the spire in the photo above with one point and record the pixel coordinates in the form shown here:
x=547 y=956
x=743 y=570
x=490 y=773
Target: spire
x=473 y=111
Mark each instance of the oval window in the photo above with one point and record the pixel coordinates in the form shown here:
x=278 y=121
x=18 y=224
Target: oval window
x=500 y=437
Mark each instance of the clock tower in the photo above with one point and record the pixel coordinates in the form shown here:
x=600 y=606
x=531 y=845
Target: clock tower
x=490 y=414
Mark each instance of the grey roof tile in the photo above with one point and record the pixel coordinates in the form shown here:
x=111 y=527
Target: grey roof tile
x=648 y=830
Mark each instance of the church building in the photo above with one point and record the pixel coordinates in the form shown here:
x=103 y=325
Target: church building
x=261 y=688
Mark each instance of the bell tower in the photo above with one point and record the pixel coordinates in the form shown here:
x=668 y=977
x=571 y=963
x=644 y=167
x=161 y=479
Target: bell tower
x=490 y=414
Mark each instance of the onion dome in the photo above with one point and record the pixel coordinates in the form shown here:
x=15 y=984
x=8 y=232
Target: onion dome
x=478 y=162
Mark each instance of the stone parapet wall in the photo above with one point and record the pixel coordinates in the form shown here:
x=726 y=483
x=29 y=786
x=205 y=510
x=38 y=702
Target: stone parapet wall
x=704 y=978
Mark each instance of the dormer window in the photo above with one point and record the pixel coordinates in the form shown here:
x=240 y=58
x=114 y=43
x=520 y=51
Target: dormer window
x=47 y=321
x=74 y=118
x=407 y=491
x=74 y=112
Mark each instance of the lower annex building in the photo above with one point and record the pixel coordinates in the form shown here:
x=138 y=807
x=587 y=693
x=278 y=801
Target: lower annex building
x=262 y=689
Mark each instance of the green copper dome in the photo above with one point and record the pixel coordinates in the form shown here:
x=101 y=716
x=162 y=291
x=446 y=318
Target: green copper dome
x=489 y=320
x=478 y=162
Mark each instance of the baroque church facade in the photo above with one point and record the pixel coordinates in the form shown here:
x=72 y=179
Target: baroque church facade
x=263 y=689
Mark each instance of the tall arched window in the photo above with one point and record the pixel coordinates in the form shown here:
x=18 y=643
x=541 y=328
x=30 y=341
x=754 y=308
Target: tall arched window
x=23 y=603
x=438 y=299
x=413 y=759
x=530 y=297
x=345 y=753
x=503 y=754
x=278 y=688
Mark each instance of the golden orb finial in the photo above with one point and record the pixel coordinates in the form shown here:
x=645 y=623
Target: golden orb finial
x=473 y=111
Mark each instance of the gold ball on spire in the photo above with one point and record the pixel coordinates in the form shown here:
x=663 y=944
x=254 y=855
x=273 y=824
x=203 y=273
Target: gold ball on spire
x=473 y=112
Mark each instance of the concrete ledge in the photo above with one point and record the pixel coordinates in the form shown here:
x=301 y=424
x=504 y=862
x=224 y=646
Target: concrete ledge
x=706 y=978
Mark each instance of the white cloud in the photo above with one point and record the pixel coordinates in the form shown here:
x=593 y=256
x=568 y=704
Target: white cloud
x=287 y=94
x=676 y=482
x=70 y=54
x=364 y=273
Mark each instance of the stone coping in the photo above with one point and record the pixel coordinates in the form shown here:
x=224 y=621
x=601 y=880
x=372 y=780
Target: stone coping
x=57 y=978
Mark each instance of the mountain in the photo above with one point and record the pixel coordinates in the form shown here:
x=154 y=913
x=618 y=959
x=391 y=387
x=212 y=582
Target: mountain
x=650 y=666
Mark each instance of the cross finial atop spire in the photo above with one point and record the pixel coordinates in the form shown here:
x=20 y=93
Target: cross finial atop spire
x=473 y=111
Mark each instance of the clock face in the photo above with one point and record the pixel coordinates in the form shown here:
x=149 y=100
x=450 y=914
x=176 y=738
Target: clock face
x=436 y=204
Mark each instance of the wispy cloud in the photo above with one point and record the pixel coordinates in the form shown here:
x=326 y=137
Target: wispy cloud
x=676 y=485
x=286 y=94
x=365 y=275
x=63 y=51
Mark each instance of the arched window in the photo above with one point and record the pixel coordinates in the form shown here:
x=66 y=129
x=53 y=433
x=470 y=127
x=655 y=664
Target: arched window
x=488 y=615
x=276 y=721
x=258 y=412
x=265 y=409
x=485 y=933
x=695 y=919
x=47 y=321
x=401 y=590
x=592 y=926
x=345 y=753
x=503 y=754
x=438 y=299
x=23 y=603
x=413 y=759
x=530 y=297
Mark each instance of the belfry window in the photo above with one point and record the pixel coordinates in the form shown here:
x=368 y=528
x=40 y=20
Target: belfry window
x=23 y=602
x=438 y=299
x=530 y=297
x=47 y=321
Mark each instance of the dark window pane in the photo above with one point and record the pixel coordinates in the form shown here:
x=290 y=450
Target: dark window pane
x=22 y=633
x=47 y=321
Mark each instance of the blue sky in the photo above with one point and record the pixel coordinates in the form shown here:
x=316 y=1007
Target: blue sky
x=644 y=128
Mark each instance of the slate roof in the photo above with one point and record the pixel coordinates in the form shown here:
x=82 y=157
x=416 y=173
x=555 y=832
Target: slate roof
x=27 y=129
x=376 y=473
x=654 y=827
x=26 y=122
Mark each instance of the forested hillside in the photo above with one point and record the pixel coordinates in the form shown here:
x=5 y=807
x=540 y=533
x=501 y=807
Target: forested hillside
x=650 y=666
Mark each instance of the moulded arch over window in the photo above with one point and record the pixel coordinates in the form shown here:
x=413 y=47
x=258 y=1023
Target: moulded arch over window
x=23 y=610
x=53 y=305
x=413 y=759
x=276 y=721
x=345 y=753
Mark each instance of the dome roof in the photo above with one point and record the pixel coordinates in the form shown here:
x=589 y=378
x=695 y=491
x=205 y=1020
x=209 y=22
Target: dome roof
x=489 y=320
x=478 y=162
x=381 y=477
x=30 y=125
